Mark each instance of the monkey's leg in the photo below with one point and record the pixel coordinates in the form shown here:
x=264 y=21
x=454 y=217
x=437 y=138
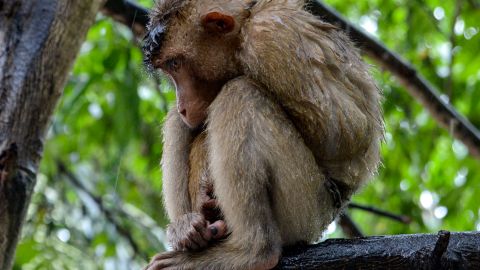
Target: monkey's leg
x=254 y=149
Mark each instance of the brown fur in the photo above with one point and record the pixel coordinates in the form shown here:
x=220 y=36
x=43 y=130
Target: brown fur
x=176 y=148
x=326 y=90
x=199 y=187
x=200 y=184
x=198 y=171
x=299 y=110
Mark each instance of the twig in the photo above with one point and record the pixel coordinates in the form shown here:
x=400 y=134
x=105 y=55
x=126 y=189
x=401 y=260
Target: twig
x=401 y=218
x=440 y=248
x=453 y=43
x=349 y=228
x=131 y=14
x=108 y=213
x=474 y=4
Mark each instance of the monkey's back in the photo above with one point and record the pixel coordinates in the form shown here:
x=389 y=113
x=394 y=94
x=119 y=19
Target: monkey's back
x=318 y=77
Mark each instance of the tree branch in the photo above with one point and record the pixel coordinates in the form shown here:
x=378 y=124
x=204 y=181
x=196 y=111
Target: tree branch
x=349 y=227
x=416 y=251
x=415 y=84
x=474 y=4
x=127 y=13
x=109 y=215
x=401 y=218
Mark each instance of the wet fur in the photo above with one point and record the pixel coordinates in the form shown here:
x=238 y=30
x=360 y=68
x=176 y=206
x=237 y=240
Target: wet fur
x=300 y=108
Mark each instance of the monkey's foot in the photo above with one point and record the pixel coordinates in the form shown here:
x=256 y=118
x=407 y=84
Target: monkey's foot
x=169 y=261
x=179 y=260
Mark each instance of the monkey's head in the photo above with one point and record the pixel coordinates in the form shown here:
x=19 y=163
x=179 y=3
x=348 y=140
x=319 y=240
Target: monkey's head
x=195 y=44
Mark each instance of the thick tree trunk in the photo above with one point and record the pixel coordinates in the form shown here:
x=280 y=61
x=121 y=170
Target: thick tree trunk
x=38 y=44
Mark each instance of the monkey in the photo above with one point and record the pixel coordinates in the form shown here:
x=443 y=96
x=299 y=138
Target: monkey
x=291 y=121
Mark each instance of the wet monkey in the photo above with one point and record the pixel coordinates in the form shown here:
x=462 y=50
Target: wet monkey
x=277 y=124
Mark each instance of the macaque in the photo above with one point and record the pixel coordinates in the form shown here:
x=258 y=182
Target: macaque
x=277 y=124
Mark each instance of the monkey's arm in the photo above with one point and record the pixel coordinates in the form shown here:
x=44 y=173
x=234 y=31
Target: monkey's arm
x=177 y=139
x=240 y=132
x=188 y=229
x=176 y=149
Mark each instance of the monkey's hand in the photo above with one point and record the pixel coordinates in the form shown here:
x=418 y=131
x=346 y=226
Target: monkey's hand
x=209 y=207
x=193 y=232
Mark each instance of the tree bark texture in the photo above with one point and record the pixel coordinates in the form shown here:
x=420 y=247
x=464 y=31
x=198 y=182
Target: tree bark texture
x=39 y=40
x=422 y=251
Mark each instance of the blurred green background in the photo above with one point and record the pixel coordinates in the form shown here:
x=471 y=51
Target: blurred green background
x=98 y=200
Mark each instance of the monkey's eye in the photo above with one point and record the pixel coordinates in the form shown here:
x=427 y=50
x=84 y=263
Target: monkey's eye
x=173 y=64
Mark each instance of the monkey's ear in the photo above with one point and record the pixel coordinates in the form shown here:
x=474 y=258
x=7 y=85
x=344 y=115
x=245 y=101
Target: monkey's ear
x=217 y=22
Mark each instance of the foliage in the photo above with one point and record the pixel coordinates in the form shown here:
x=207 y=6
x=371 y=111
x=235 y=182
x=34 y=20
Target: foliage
x=97 y=203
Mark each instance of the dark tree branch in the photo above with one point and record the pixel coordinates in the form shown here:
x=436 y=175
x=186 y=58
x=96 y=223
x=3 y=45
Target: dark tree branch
x=401 y=218
x=474 y=4
x=349 y=227
x=417 y=251
x=440 y=248
x=414 y=83
x=128 y=13
x=109 y=215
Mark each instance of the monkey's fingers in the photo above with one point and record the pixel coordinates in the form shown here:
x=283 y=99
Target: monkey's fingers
x=210 y=204
x=156 y=265
x=204 y=232
x=189 y=244
x=161 y=261
x=195 y=240
x=163 y=264
x=171 y=261
x=197 y=221
x=210 y=210
x=218 y=229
